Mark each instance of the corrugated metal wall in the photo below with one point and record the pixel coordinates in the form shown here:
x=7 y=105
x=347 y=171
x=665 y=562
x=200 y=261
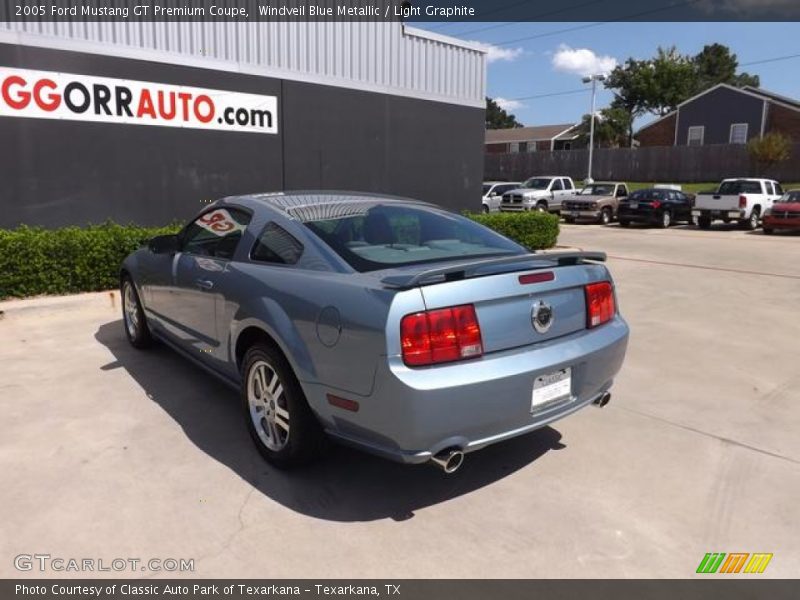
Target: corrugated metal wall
x=383 y=57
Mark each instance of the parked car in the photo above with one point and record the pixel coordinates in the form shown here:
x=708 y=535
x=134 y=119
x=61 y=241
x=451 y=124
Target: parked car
x=784 y=214
x=655 y=206
x=596 y=201
x=741 y=199
x=385 y=323
x=493 y=193
x=542 y=193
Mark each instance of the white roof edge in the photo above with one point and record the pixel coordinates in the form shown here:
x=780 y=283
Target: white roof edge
x=89 y=47
x=443 y=39
x=742 y=90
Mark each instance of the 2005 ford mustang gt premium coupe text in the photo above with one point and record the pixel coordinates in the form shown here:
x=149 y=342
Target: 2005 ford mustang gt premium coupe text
x=385 y=323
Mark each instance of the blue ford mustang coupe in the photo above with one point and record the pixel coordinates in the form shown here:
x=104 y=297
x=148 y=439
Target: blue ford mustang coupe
x=382 y=322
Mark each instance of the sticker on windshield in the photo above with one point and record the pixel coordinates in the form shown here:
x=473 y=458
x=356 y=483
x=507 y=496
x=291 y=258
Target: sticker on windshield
x=219 y=222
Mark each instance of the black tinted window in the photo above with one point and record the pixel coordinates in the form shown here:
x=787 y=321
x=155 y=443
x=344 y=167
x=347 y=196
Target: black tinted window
x=276 y=245
x=740 y=187
x=215 y=233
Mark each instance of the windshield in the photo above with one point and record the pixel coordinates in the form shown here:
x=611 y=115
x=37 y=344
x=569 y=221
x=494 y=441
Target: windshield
x=371 y=236
x=739 y=187
x=537 y=183
x=486 y=188
x=598 y=189
x=791 y=197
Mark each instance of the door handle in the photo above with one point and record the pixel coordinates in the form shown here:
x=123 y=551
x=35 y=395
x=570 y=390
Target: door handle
x=204 y=284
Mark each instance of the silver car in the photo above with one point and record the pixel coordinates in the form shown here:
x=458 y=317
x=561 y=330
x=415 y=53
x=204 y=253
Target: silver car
x=384 y=323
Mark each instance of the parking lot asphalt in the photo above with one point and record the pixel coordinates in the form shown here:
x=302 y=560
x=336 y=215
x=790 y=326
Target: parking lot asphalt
x=108 y=452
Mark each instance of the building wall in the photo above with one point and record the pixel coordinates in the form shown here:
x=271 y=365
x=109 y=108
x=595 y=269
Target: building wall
x=72 y=172
x=497 y=148
x=783 y=120
x=659 y=134
x=717 y=110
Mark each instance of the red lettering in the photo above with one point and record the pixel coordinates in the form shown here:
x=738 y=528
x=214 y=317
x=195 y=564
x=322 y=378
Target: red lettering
x=52 y=102
x=185 y=99
x=146 y=105
x=168 y=115
x=22 y=98
x=203 y=99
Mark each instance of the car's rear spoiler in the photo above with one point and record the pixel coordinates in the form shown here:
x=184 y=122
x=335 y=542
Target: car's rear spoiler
x=472 y=269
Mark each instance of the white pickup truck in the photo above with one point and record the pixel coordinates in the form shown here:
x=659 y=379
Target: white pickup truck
x=741 y=199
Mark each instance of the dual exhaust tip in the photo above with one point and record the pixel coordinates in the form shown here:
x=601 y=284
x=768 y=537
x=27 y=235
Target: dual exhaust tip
x=451 y=459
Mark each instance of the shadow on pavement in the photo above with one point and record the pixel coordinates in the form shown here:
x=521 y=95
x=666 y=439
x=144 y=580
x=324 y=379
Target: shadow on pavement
x=346 y=486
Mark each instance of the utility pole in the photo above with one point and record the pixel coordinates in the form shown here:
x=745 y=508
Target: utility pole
x=593 y=79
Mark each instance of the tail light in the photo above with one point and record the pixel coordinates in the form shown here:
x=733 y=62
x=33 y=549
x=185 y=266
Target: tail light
x=600 y=306
x=442 y=335
x=656 y=203
x=742 y=201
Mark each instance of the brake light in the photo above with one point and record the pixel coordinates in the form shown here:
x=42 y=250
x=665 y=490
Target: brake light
x=656 y=203
x=439 y=336
x=742 y=201
x=600 y=306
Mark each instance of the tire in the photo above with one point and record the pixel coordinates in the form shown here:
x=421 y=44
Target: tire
x=485 y=209
x=666 y=220
x=751 y=224
x=541 y=206
x=569 y=220
x=624 y=223
x=769 y=230
x=133 y=319
x=606 y=216
x=280 y=422
x=704 y=222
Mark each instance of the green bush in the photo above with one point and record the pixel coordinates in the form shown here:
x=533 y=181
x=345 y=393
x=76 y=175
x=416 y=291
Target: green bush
x=534 y=230
x=37 y=261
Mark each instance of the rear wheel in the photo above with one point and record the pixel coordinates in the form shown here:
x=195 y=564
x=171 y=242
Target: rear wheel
x=624 y=223
x=666 y=220
x=136 y=329
x=752 y=222
x=278 y=417
x=704 y=222
x=605 y=216
x=569 y=220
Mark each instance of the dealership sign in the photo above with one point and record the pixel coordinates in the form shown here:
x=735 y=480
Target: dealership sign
x=49 y=95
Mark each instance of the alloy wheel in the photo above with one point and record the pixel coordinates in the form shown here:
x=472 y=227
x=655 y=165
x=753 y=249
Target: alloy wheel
x=268 y=405
x=131 y=309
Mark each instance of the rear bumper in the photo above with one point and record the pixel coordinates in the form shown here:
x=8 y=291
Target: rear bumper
x=718 y=214
x=642 y=216
x=415 y=413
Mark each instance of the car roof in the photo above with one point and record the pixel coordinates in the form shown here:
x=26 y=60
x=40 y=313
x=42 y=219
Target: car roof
x=320 y=204
x=500 y=182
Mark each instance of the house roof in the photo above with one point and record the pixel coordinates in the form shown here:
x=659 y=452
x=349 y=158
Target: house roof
x=527 y=134
x=747 y=90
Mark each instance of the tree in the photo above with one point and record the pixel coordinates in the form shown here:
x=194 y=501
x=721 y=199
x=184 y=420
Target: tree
x=497 y=118
x=769 y=150
x=631 y=83
x=611 y=128
x=715 y=64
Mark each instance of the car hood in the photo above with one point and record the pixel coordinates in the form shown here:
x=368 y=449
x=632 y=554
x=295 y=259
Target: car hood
x=781 y=206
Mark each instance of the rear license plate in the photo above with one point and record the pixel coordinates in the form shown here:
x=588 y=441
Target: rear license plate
x=634 y=205
x=551 y=389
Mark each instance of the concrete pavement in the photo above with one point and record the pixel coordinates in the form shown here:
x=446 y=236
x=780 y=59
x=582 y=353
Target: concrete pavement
x=108 y=452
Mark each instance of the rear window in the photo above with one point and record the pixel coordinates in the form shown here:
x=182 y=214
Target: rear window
x=740 y=187
x=372 y=236
x=647 y=195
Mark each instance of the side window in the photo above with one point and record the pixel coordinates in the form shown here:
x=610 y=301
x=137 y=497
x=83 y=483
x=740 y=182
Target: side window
x=568 y=184
x=276 y=245
x=622 y=191
x=778 y=188
x=215 y=233
x=769 y=188
x=556 y=185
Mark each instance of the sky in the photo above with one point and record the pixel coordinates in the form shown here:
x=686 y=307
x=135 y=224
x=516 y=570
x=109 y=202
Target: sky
x=561 y=53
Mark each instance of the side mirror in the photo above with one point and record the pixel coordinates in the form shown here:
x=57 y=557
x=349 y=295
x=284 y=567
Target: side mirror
x=492 y=194
x=163 y=244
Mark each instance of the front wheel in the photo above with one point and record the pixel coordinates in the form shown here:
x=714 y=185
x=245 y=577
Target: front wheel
x=704 y=222
x=605 y=216
x=280 y=422
x=136 y=329
x=485 y=209
x=569 y=220
x=542 y=207
x=666 y=220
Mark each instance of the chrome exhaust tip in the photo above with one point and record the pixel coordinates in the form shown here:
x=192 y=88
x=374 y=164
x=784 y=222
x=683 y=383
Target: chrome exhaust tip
x=602 y=400
x=449 y=460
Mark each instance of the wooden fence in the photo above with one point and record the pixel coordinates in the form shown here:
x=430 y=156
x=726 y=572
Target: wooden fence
x=666 y=164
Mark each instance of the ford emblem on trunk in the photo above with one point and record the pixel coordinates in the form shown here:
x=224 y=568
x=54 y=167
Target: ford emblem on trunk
x=541 y=316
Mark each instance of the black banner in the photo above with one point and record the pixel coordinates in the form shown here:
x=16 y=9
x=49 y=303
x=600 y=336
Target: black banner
x=242 y=11
x=465 y=589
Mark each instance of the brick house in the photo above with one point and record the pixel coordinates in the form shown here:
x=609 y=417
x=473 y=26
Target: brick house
x=542 y=138
x=724 y=114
